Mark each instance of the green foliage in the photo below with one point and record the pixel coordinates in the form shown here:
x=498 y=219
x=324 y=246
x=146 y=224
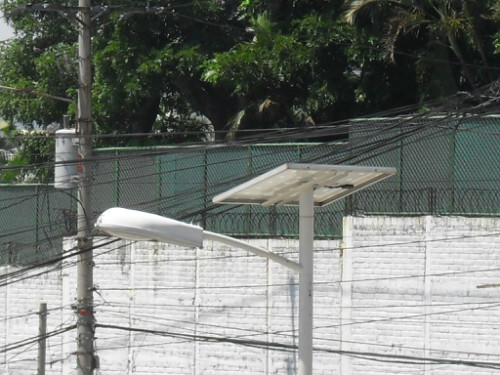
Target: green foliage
x=286 y=76
x=34 y=160
x=450 y=40
x=247 y=63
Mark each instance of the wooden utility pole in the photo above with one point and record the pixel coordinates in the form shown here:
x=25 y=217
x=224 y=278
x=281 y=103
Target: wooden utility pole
x=42 y=332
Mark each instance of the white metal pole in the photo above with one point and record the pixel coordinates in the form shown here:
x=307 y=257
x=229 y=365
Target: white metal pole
x=251 y=248
x=306 y=243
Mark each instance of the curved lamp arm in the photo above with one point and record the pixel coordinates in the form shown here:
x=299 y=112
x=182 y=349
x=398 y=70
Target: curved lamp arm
x=251 y=248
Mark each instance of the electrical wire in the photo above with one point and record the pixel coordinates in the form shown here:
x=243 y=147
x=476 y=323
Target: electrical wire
x=251 y=310
x=29 y=341
x=385 y=247
x=156 y=321
x=274 y=346
x=357 y=354
x=177 y=203
x=20 y=274
x=403 y=359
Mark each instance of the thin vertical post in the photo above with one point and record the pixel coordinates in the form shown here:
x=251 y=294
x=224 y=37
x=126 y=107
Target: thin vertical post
x=37 y=223
x=66 y=120
x=117 y=166
x=85 y=306
x=306 y=243
x=42 y=332
x=205 y=189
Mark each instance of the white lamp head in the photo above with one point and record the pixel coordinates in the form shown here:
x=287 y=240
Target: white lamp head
x=137 y=225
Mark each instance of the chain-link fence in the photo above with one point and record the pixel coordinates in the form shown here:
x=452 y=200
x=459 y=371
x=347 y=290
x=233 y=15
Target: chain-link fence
x=444 y=167
x=33 y=220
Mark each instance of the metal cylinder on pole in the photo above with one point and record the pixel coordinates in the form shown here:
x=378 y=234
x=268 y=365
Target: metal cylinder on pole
x=42 y=340
x=306 y=244
x=86 y=360
x=65 y=171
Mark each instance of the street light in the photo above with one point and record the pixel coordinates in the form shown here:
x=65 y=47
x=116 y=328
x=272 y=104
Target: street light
x=305 y=185
x=308 y=186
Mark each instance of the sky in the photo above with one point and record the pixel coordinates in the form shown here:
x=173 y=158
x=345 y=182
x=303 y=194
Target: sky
x=6 y=32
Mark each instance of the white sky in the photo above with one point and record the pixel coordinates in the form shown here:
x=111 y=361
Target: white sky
x=6 y=32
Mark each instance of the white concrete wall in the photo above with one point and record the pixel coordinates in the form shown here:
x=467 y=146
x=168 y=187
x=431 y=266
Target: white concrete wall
x=19 y=321
x=414 y=294
x=215 y=293
x=397 y=296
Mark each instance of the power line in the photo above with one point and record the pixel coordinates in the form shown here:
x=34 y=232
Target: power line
x=290 y=348
x=35 y=339
x=179 y=202
x=385 y=246
x=175 y=324
x=409 y=317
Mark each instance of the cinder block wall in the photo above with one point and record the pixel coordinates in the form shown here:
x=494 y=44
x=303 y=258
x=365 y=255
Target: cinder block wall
x=21 y=296
x=208 y=311
x=415 y=297
x=397 y=296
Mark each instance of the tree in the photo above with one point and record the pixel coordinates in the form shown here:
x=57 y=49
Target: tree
x=291 y=73
x=236 y=63
x=149 y=68
x=242 y=64
x=36 y=76
x=144 y=64
x=432 y=29
x=34 y=160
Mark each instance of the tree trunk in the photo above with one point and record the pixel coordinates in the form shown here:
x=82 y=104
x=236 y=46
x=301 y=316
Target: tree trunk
x=216 y=108
x=456 y=50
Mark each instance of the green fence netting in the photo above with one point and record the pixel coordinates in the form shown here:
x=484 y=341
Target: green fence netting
x=445 y=166
x=33 y=220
